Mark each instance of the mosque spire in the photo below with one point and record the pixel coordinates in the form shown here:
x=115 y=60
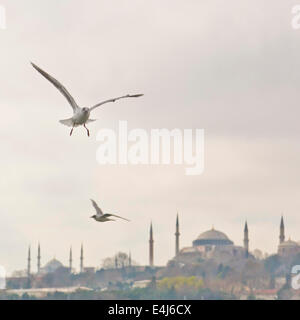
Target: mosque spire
x=177 y=234
x=246 y=239
x=151 y=247
x=129 y=259
x=28 y=263
x=281 y=235
x=81 y=259
x=39 y=259
x=70 y=259
x=116 y=261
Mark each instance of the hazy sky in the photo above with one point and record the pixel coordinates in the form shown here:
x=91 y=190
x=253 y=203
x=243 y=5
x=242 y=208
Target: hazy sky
x=231 y=69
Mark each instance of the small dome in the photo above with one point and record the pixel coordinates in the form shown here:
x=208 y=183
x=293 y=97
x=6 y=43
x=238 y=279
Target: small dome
x=289 y=243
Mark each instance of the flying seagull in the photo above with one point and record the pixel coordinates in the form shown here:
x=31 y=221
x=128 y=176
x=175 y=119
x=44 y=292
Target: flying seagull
x=81 y=116
x=103 y=217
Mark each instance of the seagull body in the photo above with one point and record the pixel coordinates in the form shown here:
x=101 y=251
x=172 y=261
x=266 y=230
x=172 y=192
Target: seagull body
x=103 y=217
x=81 y=116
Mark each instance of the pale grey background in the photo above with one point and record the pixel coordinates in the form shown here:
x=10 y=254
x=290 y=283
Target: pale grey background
x=231 y=68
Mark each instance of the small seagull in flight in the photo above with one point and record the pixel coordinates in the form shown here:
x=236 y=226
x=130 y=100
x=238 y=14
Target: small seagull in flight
x=103 y=217
x=81 y=116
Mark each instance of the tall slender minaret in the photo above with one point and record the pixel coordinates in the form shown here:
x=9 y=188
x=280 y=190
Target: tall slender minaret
x=177 y=234
x=151 y=247
x=129 y=259
x=246 y=239
x=281 y=235
x=81 y=259
x=70 y=259
x=28 y=263
x=116 y=262
x=39 y=259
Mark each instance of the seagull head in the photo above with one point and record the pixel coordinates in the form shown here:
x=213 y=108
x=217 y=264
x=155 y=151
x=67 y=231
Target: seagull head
x=85 y=109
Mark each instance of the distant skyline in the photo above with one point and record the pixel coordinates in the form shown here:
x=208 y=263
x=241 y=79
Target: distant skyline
x=231 y=70
x=36 y=259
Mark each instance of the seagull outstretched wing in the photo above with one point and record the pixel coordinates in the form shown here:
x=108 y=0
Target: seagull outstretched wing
x=115 y=99
x=114 y=215
x=98 y=210
x=59 y=86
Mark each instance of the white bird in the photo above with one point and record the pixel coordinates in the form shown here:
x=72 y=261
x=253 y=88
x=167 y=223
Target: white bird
x=103 y=217
x=81 y=116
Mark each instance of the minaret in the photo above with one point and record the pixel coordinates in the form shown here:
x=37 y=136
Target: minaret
x=116 y=262
x=39 y=259
x=281 y=236
x=81 y=259
x=246 y=239
x=129 y=259
x=28 y=263
x=70 y=259
x=177 y=234
x=151 y=248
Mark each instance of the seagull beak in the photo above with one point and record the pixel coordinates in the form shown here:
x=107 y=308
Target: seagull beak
x=92 y=217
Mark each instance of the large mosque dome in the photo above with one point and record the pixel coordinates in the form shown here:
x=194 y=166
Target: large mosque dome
x=212 y=237
x=52 y=266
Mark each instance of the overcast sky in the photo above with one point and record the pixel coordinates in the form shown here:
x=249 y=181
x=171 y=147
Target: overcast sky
x=231 y=69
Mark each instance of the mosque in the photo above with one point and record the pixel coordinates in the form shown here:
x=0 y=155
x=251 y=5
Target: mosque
x=211 y=244
x=54 y=264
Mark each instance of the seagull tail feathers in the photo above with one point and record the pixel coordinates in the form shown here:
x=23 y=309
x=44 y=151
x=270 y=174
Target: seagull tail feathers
x=91 y=120
x=67 y=122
